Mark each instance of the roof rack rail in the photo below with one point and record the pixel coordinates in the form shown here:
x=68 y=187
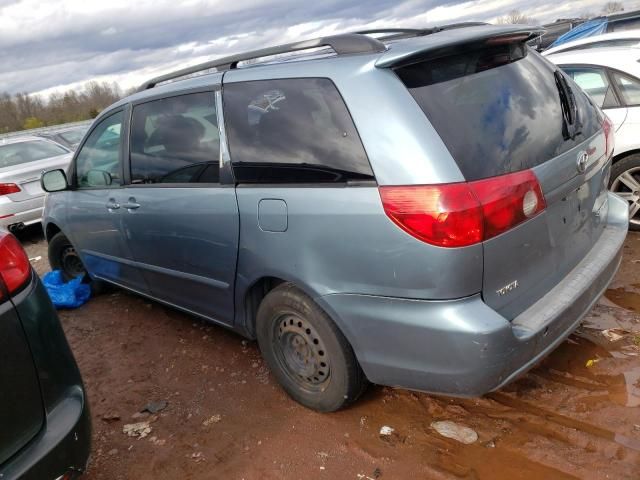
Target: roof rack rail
x=342 y=44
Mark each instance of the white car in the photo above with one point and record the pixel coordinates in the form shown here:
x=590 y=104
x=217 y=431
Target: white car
x=611 y=76
x=628 y=38
x=22 y=161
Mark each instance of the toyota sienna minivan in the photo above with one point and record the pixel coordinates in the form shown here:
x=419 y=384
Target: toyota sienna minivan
x=425 y=209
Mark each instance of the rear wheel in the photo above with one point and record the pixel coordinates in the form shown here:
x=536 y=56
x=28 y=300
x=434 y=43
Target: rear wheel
x=625 y=181
x=306 y=351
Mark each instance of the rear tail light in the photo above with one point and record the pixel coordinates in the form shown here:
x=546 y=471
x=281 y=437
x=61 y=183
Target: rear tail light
x=15 y=269
x=8 y=188
x=609 y=134
x=462 y=214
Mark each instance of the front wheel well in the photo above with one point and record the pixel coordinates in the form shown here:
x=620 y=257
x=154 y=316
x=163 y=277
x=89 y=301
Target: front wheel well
x=51 y=230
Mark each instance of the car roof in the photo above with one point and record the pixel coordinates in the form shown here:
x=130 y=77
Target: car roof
x=628 y=34
x=625 y=59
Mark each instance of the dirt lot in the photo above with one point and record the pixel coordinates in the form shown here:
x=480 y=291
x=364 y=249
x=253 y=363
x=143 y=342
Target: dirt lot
x=575 y=416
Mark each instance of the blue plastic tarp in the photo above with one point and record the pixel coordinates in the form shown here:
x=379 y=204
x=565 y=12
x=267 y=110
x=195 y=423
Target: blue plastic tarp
x=587 y=29
x=71 y=294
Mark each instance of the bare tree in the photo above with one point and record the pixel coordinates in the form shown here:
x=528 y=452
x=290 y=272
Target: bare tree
x=22 y=111
x=515 y=17
x=612 y=7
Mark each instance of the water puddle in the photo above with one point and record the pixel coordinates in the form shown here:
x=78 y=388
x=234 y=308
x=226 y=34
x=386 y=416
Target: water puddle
x=625 y=297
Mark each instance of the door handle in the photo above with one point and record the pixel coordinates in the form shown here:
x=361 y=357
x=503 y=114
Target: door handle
x=112 y=205
x=131 y=204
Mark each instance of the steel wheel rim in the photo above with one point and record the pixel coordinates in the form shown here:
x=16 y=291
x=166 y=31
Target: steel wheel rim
x=71 y=263
x=301 y=352
x=627 y=186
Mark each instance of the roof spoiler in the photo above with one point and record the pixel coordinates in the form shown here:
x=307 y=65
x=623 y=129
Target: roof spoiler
x=447 y=42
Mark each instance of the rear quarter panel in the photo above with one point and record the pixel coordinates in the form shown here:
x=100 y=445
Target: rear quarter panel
x=339 y=240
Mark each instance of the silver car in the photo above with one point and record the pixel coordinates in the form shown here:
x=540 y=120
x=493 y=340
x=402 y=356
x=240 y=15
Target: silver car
x=428 y=209
x=22 y=161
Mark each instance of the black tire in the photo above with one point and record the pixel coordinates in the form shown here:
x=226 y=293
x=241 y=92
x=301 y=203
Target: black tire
x=63 y=256
x=307 y=353
x=628 y=165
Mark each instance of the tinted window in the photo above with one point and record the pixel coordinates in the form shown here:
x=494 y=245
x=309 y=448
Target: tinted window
x=175 y=140
x=98 y=162
x=497 y=109
x=25 y=152
x=629 y=88
x=293 y=130
x=595 y=83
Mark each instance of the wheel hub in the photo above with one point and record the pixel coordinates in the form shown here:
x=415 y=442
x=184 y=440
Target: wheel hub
x=302 y=352
x=71 y=262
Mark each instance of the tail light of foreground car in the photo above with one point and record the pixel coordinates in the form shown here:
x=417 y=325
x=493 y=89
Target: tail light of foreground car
x=609 y=134
x=462 y=214
x=8 y=188
x=15 y=269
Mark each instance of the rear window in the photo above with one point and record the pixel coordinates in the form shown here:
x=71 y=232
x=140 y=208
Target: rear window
x=497 y=109
x=25 y=152
x=73 y=136
x=292 y=131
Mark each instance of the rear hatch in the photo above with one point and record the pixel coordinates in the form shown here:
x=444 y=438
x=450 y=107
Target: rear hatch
x=500 y=108
x=21 y=410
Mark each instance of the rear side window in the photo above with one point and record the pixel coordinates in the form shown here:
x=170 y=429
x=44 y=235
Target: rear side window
x=292 y=131
x=497 y=109
x=595 y=83
x=176 y=140
x=24 y=152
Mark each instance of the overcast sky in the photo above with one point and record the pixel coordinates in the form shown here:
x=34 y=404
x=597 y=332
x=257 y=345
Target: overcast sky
x=56 y=44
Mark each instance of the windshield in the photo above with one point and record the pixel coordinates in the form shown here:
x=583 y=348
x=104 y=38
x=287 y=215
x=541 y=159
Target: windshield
x=30 y=151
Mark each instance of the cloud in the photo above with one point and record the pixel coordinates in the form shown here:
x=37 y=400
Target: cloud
x=53 y=45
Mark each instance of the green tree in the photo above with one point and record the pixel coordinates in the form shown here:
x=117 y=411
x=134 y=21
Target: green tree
x=32 y=122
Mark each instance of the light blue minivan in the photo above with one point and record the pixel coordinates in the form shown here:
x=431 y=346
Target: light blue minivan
x=417 y=208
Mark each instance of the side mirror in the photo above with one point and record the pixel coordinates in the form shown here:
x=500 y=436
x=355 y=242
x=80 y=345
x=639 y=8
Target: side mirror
x=99 y=178
x=54 y=181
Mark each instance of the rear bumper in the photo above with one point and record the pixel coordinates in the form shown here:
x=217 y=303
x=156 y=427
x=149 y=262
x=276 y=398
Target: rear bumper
x=26 y=212
x=463 y=347
x=61 y=447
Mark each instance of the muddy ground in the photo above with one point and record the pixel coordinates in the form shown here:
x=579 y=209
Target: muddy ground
x=577 y=415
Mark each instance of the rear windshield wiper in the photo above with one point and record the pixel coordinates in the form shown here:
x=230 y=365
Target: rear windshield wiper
x=570 y=123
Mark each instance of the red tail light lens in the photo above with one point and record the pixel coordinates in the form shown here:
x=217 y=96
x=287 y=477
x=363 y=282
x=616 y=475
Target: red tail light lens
x=508 y=200
x=7 y=188
x=609 y=134
x=445 y=215
x=462 y=214
x=15 y=269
